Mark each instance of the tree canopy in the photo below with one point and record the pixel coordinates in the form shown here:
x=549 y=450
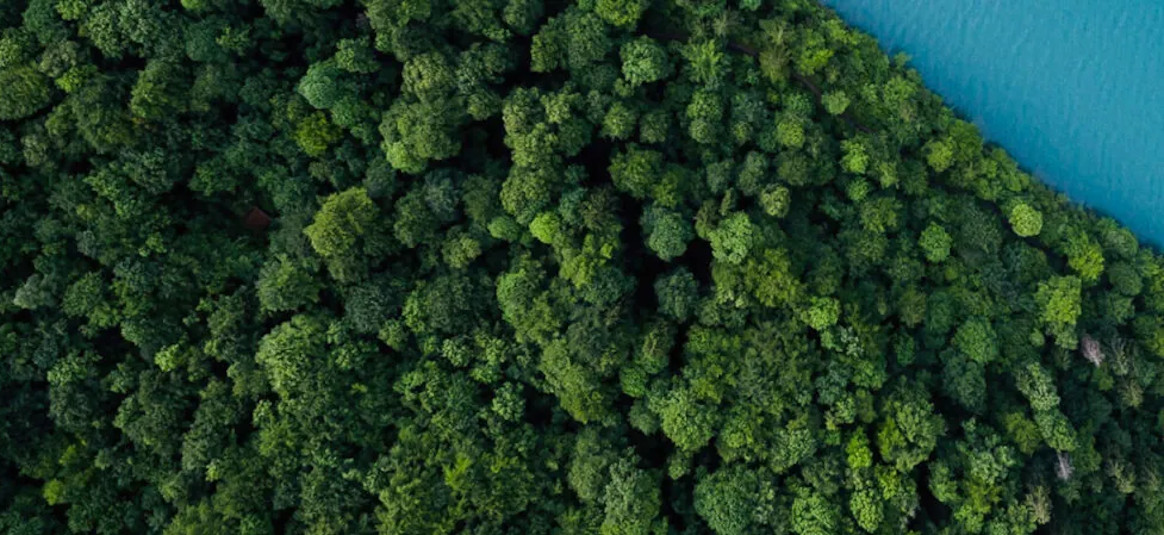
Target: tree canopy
x=517 y=266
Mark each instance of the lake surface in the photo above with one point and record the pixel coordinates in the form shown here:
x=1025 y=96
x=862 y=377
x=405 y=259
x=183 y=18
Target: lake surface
x=1073 y=89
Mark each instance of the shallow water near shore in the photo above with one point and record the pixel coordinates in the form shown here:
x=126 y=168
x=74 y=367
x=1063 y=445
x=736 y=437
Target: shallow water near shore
x=1073 y=89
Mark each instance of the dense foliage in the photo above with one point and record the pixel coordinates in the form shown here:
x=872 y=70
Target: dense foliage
x=526 y=266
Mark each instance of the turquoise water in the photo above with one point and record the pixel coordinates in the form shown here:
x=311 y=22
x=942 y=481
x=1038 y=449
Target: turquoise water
x=1073 y=89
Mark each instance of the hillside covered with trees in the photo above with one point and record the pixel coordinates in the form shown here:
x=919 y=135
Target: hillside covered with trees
x=626 y=267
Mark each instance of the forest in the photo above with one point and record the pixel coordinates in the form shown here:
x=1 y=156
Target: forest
x=548 y=267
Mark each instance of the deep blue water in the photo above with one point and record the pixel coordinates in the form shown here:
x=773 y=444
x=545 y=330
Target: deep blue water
x=1073 y=89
